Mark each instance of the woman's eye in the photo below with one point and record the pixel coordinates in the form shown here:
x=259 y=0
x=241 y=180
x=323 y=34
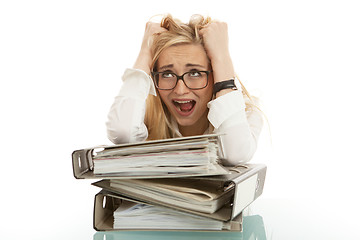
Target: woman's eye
x=195 y=74
x=167 y=75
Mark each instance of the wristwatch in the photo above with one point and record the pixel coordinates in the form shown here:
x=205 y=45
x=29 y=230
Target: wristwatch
x=228 y=84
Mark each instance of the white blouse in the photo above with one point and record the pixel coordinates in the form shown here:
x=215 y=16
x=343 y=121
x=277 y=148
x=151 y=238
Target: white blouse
x=227 y=115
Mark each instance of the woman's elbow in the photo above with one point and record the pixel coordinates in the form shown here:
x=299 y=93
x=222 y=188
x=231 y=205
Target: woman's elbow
x=239 y=154
x=118 y=135
x=237 y=158
x=124 y=133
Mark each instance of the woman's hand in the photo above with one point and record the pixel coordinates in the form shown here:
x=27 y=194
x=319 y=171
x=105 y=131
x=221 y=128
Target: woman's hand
x=216 y=43
x=144 y=59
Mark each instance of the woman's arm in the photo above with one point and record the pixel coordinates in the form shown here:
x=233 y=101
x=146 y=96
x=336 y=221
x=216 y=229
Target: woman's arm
x=144 y=58
x=216 y=43
x=241 y=128
x=227 y=113
x=126 y=116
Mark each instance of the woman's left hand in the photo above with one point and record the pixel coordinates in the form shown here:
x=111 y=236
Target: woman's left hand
x=216 y=43
x=215 y=37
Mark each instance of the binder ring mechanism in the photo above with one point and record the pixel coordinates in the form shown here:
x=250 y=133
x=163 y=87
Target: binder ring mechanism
x=105 y=202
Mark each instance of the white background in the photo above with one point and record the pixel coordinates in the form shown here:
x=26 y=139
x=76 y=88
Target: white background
x=61 y=64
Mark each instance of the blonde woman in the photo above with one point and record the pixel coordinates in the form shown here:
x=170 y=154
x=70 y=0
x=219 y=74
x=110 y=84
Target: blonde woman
x=183 y=84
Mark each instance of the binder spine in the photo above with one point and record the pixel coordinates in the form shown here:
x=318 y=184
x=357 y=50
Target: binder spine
x=249 y=189
x=104 y=206
x=82 y=162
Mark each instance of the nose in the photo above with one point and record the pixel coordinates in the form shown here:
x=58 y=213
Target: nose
x=181 y=88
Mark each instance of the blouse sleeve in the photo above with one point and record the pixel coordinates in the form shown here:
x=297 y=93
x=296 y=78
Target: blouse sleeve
x=241 y=129
x=126 y=116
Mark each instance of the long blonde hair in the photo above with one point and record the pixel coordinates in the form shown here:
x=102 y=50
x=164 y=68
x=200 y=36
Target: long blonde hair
x=157 y=116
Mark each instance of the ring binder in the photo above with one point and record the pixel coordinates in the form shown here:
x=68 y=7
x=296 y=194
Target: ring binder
x=249 y=183
x=104 y=219
x=199 y=155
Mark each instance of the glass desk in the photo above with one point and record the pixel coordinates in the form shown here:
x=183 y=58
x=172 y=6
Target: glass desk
x=253 y=228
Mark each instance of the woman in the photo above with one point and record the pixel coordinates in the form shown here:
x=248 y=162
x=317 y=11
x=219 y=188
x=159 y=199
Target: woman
x=182 y=84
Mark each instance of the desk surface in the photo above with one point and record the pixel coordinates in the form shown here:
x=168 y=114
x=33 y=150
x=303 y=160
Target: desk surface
x=253 y=229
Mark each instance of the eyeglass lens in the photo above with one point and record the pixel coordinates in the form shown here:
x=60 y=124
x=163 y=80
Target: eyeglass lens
x=193 y=80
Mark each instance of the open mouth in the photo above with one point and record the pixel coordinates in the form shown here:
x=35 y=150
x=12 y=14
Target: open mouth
x=184 y=106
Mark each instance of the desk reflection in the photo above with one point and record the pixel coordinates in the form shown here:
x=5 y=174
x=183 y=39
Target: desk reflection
x=253 y=229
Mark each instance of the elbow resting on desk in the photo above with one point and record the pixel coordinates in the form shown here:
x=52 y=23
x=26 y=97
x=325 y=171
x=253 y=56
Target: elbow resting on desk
x=237 y=149
x=118 y=134
x=234 y=156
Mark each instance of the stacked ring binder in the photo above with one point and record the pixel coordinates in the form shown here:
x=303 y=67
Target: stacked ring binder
x=173 y=184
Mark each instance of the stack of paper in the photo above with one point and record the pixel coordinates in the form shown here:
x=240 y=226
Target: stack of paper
x=176 y=157
x=194 y=194
x=171 y=184
x=181 y=156
x=134 y=216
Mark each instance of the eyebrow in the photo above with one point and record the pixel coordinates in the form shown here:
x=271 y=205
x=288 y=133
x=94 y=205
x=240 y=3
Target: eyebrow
x=166 y=67
x=187 y=65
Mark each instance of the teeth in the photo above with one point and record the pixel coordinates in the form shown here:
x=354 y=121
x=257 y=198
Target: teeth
x=182 y=101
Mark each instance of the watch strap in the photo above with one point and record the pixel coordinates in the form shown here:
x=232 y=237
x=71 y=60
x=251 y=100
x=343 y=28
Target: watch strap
x=228 y=84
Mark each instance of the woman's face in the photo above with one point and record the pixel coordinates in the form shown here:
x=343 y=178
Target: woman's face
x=187 y=106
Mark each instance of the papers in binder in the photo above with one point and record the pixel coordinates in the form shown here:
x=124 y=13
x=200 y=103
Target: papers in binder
x=178 y=157
x=115 y=212
x=194 y=194
x=134 y=216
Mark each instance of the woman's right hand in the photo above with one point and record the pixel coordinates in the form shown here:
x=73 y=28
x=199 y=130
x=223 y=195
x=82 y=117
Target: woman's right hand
x=144 y=59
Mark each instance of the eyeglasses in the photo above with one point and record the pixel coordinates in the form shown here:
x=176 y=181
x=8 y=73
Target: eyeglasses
x=192 y=80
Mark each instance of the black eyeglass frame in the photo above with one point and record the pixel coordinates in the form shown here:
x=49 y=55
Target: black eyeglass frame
x=182 y=78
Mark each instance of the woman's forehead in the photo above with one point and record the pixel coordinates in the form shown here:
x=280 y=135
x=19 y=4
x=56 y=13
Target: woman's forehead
x=188 y=55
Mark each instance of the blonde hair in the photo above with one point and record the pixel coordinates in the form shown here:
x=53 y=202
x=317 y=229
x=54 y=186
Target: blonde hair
x=157 y=116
